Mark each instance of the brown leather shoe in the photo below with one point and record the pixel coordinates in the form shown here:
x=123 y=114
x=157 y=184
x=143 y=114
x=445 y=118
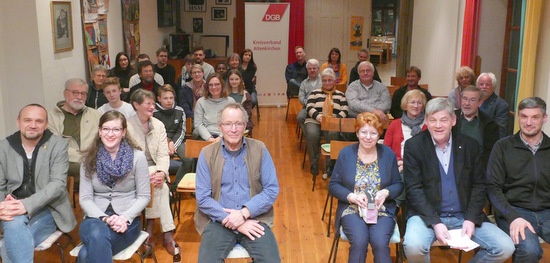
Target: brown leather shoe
x=170 y=246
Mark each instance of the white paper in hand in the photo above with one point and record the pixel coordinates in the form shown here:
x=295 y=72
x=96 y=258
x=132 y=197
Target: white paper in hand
x=458 y=241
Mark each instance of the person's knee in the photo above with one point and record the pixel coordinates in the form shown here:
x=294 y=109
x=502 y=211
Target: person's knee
x=528 y=251
x=415 y=247
x=17 y=223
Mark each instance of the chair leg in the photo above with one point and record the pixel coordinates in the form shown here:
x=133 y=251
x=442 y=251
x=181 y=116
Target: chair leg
x=325 y=209
x=304 y=161
x=334 y=248
x=460 y=256
x=329 y=217
x=258 y=112
x=287 y=107
x=301 y=139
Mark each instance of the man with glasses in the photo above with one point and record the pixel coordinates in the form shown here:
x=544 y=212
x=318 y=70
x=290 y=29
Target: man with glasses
x=167 y=71
x=236 y=187
x=472 y=122
x=446 y=190
x=76 y=122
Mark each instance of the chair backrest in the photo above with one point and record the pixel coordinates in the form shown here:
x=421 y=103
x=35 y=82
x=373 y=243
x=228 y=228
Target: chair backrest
x=150 y=205
x=392 y=88
x=424 y=86
x=338 y=124
x=342 y=87
x=193 y=148
x=188 y=127
x=336 y=147
x=398 y=81
x=70 y=188
x=376 y=47
x=389 y=119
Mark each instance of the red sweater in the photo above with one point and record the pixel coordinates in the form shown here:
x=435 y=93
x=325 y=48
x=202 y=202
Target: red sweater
x=394 y=137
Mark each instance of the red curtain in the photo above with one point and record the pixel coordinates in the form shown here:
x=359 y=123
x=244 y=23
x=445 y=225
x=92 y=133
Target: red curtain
x=470 y=33
x=296 y=27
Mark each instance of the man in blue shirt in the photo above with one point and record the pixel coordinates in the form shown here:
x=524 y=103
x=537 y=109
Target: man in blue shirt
x=446 y=188
x=236 y=186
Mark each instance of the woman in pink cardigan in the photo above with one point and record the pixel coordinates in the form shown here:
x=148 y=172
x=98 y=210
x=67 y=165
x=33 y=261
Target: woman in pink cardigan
x=410 y=124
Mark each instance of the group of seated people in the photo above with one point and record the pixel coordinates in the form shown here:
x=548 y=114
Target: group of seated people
x=439 y=161
x=104 y=135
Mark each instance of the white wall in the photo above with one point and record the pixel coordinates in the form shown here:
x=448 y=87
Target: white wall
x=209 y=27
x=151 y=35
x=492 y=29
x=114 y=29
x=435 y=36
x=21 y=76
x=56 y=68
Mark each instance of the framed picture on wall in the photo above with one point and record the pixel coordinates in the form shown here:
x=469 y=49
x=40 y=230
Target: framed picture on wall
x=62 y=27
x=197 y=25
x=195 y=6
x=223 y=2
x=219 y=13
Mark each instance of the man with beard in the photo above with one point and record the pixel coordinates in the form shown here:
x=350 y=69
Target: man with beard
x=146 y=74
x=135 y=79
x=198 y=53
x=76 y=122
x=167 y=71
x=476 y=124
x=518 y=175
x=35 y=201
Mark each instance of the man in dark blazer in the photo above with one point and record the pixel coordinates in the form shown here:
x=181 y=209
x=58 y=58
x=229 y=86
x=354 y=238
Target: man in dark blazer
x=33 y=185
x=445 y=187
x=472 y=122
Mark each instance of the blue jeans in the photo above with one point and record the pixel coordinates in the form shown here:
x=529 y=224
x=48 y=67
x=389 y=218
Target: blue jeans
x=529 y=250
x=22 y=235
x=361 y=234
x=217 y=241
x=102 y=241
x=496 y=245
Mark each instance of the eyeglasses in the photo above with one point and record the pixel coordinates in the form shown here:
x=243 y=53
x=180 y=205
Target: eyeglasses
x=116 y=131
x=372 y=134
x=470 y=100
x=229 y=125
x=76 y=93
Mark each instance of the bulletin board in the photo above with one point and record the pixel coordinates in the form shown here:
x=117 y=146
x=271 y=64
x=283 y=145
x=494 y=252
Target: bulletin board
x=94 y=18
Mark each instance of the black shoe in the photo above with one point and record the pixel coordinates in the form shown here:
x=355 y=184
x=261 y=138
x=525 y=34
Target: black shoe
x=314 y=169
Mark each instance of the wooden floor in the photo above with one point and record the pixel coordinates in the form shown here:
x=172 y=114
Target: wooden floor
x=300 y=233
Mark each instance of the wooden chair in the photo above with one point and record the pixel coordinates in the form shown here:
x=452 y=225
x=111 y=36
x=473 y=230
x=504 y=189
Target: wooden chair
x=335 y=148
x=392 y=88
x=342 y=87
x=424 y=86
x=188 y=128
x=187 y=184
x=342 y=125
x=377 y=49
x=398 y=81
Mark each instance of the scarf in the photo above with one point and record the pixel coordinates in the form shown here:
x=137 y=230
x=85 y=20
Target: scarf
x=413 y=124
x=328 y=105
x=336 y=68
x=110 y=171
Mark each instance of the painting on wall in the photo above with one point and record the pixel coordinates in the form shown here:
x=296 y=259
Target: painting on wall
x=197 y=25
x=223 y=2
x=195 y=5
x=130 y=9
x=62 y=27
x=219 y=14
x=356 y=41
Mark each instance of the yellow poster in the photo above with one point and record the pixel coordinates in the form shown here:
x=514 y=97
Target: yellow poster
x=356 y=36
